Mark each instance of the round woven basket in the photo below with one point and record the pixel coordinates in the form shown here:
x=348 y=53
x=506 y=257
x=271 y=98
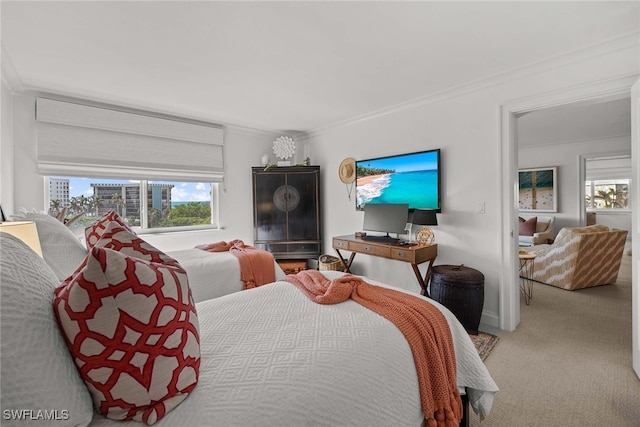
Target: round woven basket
x=328 y=262
x=461 y=290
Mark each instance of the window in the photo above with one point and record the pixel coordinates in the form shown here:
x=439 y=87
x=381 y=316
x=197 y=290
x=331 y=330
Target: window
x=607 y=194
x=122 y=156
x=143 y=204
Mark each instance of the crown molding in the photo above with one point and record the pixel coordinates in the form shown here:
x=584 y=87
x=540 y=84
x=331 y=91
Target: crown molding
x=248 y=130
x=9 y=75
x=609 y=46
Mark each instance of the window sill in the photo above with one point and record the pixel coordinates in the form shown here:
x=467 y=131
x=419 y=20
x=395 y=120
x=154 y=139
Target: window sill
x=175 y=230
x=610 y=211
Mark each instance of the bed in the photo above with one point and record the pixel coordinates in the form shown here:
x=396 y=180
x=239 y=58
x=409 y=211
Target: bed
x=211 y=274
x=268 y=356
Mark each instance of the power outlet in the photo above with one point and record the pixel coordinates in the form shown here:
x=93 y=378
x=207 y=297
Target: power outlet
x=480 y=207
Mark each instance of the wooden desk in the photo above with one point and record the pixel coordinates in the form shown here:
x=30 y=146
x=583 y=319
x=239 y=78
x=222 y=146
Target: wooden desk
x=415 y=255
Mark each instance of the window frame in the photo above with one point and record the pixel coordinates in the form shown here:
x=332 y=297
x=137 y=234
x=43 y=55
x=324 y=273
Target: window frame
x=592 y=185
x=144 y=208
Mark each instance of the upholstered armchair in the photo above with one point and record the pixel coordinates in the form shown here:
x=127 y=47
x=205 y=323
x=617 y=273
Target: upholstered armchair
x=580 y=257
x=537 y=230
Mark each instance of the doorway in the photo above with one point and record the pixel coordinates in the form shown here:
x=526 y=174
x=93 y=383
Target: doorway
x=511 y=114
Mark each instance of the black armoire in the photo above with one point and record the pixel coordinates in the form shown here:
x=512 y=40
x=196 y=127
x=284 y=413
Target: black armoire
x=286 y=211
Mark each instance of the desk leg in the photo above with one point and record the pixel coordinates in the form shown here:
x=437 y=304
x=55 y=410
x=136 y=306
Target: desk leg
x=346 y=264
x=423 y=282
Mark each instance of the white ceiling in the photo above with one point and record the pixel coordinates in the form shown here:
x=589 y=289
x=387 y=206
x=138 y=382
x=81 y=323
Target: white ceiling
x=575 y=122
x=288 y=66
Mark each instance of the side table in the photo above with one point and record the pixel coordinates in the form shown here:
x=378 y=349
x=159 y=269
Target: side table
x=526 y=274
x=461 y=290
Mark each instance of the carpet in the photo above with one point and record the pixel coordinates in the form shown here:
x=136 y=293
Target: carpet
x=484 y=343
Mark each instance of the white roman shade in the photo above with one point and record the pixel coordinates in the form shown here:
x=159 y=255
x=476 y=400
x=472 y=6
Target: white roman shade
x=608 y=168
x=83 y=140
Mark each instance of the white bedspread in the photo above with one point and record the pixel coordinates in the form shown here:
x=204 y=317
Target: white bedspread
x=212 y=274
x=272 y=357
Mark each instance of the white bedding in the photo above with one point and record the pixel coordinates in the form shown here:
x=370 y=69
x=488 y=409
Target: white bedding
x=270 y=356
x=212 y=274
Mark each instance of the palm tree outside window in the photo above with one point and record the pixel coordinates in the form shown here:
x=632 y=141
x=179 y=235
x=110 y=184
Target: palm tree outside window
x=142 y=204
x=607 y=194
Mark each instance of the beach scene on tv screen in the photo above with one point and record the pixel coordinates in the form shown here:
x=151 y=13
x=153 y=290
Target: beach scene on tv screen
x=410 y=178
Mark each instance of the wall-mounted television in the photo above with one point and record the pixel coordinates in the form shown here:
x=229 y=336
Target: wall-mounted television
x=412 y=178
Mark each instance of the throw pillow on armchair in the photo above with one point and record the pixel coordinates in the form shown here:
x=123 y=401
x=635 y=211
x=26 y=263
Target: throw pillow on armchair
x=528 y=227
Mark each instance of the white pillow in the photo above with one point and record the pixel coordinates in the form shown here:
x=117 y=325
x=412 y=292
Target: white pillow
x=61 y=249
x=37 y=370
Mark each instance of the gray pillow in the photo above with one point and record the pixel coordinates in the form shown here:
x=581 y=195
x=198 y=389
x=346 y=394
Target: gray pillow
x=61 y=249
x=37 y=370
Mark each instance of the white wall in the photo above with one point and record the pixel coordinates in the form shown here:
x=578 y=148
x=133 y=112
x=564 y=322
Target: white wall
x=6 y=150
x=566 y=157
x=465 y=124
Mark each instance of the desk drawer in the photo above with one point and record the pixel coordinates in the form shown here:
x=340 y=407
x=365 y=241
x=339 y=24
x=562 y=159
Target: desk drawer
x=366 y=248
x=340 y=244
x=406 y=255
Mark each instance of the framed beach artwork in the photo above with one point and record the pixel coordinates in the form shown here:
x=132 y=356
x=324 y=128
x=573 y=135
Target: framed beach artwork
x=538 y=189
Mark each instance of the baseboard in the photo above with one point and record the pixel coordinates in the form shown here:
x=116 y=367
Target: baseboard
x=490 y=319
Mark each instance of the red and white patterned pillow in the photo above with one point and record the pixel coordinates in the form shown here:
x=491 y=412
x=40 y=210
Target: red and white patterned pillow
x=120 y=238
x=132 y=328
x=94 y=231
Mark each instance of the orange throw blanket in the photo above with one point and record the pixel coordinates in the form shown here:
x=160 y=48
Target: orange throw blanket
x=423 y=325
x=256 y=265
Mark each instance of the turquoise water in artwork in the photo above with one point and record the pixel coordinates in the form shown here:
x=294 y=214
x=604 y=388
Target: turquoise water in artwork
x=417 y=188
x=543 y=178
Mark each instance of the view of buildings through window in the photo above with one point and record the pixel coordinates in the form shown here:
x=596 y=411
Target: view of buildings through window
x=607 y=194
x=144 y=204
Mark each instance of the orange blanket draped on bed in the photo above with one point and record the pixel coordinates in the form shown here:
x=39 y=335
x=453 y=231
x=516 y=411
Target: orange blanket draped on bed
x=256 y=265
x=423 y=325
